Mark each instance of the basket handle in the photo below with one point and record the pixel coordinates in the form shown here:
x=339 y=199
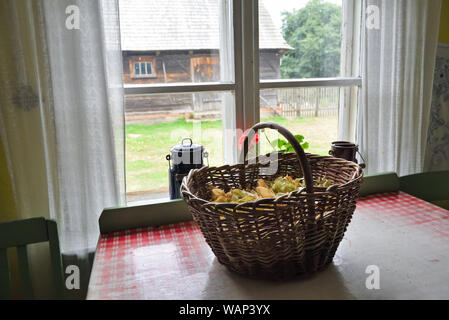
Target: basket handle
x=308 y=177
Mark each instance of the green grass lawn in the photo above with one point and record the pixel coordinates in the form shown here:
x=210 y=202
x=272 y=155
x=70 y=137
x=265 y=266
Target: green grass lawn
x=147 y=145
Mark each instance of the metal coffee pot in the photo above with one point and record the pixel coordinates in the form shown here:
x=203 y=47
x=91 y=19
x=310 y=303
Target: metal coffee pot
x=183 y=157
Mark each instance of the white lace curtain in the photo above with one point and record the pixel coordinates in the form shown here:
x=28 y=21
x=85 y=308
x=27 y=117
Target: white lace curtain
x=398 y=58
x=61 y=112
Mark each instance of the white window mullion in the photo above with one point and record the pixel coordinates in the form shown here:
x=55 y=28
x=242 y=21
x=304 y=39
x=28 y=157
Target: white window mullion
x=250 y=50
x=255 y=67
x=227 y=74
x=246 y=62
x=238 y=63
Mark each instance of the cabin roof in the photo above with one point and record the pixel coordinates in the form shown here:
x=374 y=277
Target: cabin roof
x=154 y=25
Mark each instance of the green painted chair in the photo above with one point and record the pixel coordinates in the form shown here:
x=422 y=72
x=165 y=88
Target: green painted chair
x=19 y=234
x=429 y=186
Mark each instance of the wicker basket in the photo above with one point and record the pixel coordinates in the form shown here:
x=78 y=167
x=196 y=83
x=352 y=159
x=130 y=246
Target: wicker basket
x=281 y=237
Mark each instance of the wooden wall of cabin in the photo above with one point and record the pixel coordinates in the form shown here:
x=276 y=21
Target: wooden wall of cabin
x=270 y=68
x=172 y=67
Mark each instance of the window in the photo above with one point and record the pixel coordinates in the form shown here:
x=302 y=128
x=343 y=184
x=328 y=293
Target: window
x=141 y=67
x=309 y=76
x=309 y=42
x=186 y=47
x=211 y=69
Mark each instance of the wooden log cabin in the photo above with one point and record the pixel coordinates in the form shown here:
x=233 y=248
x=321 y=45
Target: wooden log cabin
x=175 y=42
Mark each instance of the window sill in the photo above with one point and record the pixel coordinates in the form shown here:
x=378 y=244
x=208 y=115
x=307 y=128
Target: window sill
x=150 y=213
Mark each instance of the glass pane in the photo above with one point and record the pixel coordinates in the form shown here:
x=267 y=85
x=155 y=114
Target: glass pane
x=136 y=68
x=186 y=36
x=149 y=68
x=143 y=68
x=155 y=123
x=299 y=38
x=310 y=112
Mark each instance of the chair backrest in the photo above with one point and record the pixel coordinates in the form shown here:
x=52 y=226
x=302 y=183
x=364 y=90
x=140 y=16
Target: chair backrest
x=19 y=234
x=429 y=186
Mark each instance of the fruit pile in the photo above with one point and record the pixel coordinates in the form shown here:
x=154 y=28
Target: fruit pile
x=264 y=189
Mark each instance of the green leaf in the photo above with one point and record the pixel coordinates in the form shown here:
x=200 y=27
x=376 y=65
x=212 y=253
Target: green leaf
x=282 y=143
x=284 y=146
x=299 y=137
x=305 y=145
x=278 y=144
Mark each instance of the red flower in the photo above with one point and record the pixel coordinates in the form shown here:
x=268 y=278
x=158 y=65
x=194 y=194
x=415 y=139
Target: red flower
x=255 y=139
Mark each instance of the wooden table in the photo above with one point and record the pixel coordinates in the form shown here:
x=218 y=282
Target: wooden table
x=406 y=238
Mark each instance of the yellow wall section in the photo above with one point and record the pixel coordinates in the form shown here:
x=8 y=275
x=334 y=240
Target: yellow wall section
x=7 y=213
x=7 y=207
x=444 y=22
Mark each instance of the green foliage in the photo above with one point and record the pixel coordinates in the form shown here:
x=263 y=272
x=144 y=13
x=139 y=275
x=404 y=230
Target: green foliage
x=315 y=34
x=285 y=146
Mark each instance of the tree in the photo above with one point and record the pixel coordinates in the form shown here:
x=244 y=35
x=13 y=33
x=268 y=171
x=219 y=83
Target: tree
x=315 y=34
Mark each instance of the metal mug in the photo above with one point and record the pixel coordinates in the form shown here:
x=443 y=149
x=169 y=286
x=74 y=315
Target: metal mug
x=346 y=150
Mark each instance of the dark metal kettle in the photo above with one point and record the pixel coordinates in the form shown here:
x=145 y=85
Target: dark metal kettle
x=183 y=157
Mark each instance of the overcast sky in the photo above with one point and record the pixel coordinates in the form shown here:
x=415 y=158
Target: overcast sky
x=275 y=7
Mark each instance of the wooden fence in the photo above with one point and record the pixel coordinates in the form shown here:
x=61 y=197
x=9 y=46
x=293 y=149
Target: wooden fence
x=286 y=102
x=309 y=102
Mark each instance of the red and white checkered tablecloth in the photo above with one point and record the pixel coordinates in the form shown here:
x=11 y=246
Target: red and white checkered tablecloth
x=401 y=209
x=392 y=230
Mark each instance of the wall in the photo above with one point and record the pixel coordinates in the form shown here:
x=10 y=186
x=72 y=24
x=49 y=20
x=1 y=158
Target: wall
x=7 y=213
x=444 y=22
x=7 y=207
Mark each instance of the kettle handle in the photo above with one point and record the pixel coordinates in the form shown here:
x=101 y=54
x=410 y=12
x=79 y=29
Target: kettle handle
x=191 y=142
x=168 y=158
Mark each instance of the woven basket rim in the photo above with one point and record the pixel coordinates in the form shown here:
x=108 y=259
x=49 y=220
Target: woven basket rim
x=358 y=174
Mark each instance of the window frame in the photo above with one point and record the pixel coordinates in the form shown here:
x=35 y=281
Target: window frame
x=140 y=60
x=244 y=79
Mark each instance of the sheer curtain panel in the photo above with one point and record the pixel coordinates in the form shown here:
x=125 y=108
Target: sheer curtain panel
x=398 y=58
x=61 y=112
